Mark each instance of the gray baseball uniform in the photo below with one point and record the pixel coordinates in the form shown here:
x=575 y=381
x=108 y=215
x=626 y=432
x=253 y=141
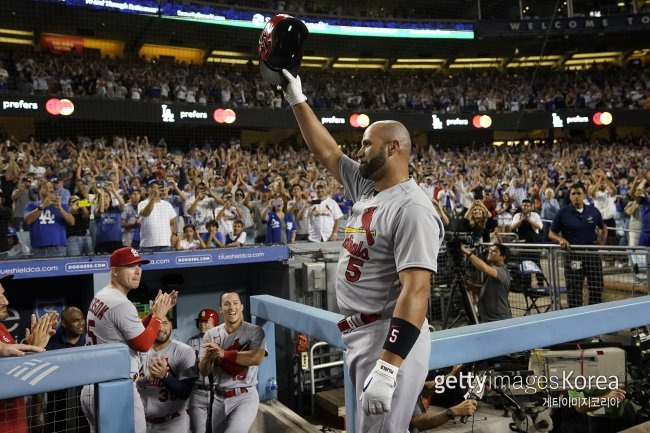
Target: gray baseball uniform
x=200 y=398
x=112 y=318
x=235 y=411
x=164 y=411
x=390 y=231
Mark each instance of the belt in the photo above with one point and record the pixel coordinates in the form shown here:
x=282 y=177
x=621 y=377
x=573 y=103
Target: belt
x=357 y=320
x=163 y=419
x=230 y=392
x=203 y=387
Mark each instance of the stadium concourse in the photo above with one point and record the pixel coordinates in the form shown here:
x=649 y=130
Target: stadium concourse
x=272 y=259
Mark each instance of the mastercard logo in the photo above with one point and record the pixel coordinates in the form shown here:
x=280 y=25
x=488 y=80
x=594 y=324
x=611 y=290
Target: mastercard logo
x=224 y=116
x=604 y=118
x=359 y=120
x=482 y=121
x=64 y=107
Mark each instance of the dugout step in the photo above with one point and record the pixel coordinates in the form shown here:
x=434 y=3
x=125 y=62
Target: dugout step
x=276 y=418
x=330 y=406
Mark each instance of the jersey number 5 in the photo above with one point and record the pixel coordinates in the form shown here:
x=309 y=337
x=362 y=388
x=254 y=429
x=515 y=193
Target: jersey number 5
x=353 y=271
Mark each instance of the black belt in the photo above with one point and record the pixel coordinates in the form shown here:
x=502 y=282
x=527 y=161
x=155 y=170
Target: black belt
x=163 y=419
x=356 y=320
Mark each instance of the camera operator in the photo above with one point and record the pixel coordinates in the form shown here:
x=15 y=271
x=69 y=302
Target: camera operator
x=493 y=298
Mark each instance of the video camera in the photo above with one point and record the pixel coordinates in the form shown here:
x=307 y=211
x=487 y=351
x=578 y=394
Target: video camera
x=454 y=241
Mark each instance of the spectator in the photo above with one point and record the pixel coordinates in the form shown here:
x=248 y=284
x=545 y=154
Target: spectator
x=191 y=240
x=226 y=215
x=238 y=237
x=478 y=216
x=603 y=192
x=576 y=225
x=280 y=228
x=299 y=202
x=550 y=208
x=5 y=220
x=324 y=216
x=215 y=240
x=527 y=224
x=157 y=221
x=78 y=238
x=108 y=216
x=131 y=220
x=47 y=220
x=20 y=197
x=200 y=208
x=17 y=249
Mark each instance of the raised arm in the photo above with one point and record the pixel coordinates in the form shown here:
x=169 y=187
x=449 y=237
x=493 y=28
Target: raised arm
x=318 y=139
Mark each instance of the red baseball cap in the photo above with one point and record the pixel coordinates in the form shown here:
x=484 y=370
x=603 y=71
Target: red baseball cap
x=6 y=277
x=126 y=256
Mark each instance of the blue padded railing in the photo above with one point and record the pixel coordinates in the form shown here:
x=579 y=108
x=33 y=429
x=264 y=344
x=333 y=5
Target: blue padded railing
x=107 y=365
x=458 y=345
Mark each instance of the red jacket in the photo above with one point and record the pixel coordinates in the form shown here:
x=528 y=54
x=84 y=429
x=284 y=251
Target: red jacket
x=13 y=417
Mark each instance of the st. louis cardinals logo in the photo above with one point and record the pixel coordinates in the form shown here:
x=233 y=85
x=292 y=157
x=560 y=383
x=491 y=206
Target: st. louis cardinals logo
x=366 y=219
x=358 y=249
x=237 y=372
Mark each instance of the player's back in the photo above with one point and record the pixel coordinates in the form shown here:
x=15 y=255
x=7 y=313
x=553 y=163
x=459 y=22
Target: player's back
x=112 y=318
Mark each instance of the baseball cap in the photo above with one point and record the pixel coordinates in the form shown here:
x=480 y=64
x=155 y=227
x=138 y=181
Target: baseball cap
x=320 y=184
x=11 y=232
x=487 y=190
x=154 y=182
x=526 y=200
x=6 y=277
x=74 y=198
x=207 y=314
x=126 y=256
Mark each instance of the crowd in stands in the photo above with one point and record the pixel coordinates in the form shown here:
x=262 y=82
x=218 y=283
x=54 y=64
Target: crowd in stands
x=601 y=87
x=83 y=196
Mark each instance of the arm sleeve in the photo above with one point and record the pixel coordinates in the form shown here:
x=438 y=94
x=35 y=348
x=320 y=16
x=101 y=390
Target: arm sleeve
x=418 y=234
x=355 y=185
x=555 y=225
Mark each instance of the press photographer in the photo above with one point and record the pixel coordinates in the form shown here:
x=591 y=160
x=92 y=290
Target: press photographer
x=493 y=296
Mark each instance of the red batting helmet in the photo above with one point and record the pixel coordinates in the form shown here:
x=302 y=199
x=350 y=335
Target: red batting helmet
x=207 y=314
x=280 y=47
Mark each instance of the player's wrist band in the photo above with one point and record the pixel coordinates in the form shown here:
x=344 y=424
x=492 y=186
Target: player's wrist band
x=401 y=337
x=230 y=355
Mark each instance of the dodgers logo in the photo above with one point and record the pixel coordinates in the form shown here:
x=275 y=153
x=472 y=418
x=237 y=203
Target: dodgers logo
x=49 y=306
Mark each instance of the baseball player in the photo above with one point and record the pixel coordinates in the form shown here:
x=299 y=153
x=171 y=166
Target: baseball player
x=200 y=398
x=13 y=415
x=384 y=272
x=112 y=318
x=167 y=378
x=231 y=352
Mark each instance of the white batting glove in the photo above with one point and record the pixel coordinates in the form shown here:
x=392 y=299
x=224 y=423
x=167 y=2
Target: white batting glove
x=293 y=91
x=378 y=388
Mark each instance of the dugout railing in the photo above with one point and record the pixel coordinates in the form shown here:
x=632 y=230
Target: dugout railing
x=457 y=345
x=107 y=366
